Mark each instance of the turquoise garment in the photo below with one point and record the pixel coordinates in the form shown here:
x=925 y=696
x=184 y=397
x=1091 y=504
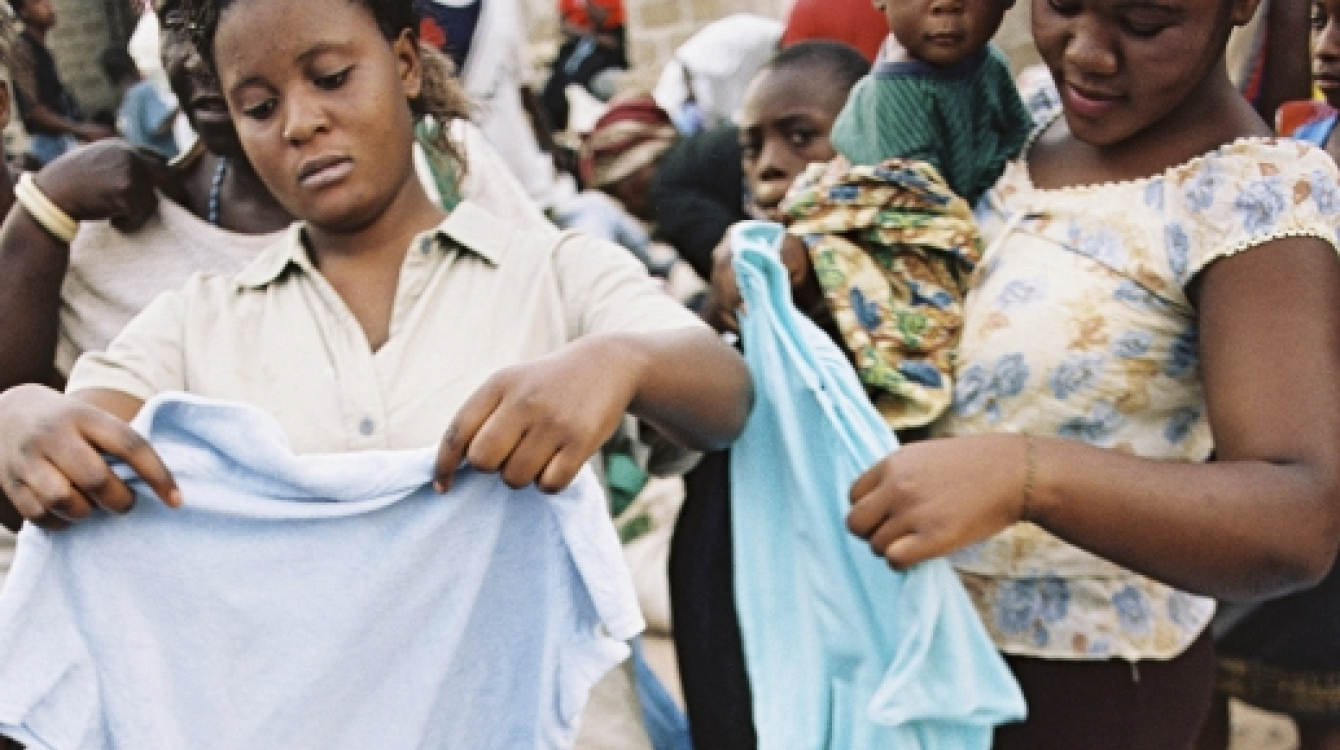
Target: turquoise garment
x=842 y=651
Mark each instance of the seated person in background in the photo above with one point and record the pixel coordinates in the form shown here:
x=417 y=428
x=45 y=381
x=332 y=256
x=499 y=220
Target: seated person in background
x=594 y=45
x=619 y=159
x=143 y=118
x=623 y=150
x=50 y=114
x=687 y=189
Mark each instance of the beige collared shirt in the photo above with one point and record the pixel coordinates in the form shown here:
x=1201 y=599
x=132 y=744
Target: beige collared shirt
x=475 y=295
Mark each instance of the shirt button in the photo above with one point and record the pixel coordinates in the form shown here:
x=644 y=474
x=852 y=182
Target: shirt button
x=366 y=427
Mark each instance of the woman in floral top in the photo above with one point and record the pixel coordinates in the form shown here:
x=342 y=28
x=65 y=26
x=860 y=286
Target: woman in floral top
x=1160 y=284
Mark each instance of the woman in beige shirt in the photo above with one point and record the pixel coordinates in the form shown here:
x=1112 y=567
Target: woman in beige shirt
x=379 y=321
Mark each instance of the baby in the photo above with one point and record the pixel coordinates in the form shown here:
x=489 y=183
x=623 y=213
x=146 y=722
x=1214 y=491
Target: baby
x=887 y=225
x=939 y=93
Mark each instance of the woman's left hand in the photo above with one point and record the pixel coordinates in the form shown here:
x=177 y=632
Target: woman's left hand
x=539 y=422
x=725 y=302
x=931 y=498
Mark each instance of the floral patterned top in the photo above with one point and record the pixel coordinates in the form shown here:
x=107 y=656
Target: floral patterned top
x=1077 y=325
x=892 y=247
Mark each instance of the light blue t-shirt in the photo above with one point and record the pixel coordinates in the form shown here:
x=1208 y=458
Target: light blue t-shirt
x=321 y=601
x=842 y=652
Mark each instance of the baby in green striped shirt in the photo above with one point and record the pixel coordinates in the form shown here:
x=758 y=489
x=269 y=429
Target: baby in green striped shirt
x=939 y=93
x=887 y=225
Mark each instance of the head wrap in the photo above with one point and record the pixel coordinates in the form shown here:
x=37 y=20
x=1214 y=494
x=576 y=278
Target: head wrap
x=633 y=133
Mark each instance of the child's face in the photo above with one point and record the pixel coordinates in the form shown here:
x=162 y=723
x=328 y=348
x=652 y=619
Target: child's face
x=944 y=32
x=321 y=109
x=193 y=83
x=1326 y=49
x=1126 y=67
x=784 y=126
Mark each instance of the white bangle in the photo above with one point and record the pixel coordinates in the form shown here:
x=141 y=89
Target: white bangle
x=53 y=218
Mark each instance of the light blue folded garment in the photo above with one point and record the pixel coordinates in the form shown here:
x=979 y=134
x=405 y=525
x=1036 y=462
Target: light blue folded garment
x=842 y=652
x=322 y=602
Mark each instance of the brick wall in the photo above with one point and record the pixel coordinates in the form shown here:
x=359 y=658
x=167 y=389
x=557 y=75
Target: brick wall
x=1015 y=37
x=657 y=27
x=84 y=28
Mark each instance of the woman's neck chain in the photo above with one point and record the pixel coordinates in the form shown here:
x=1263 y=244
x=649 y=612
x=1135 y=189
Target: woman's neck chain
x=215 y=189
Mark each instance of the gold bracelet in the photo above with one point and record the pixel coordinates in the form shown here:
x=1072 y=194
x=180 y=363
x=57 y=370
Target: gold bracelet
x=53 y=218
x=1030 y=472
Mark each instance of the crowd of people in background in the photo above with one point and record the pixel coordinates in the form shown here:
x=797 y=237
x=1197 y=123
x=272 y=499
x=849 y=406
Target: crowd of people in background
x=1094 y=300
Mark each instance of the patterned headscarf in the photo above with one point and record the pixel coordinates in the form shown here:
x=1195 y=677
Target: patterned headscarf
x=633 y=133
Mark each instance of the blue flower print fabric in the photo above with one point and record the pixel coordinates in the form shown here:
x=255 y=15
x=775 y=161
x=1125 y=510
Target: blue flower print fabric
x=1078 y=325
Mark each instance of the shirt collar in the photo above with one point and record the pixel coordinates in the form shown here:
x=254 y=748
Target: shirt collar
x=893 y=68
x=468 y=228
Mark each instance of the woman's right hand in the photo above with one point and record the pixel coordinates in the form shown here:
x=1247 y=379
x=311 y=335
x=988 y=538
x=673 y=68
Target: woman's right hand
x=110 y=179
x=53 y=460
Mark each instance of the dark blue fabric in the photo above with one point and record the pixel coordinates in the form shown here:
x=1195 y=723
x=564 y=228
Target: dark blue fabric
x=51 y=92
x=458 y=24
x=702 y=604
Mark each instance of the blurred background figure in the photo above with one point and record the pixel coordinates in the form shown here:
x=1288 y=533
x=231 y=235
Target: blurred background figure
x=488 y=42
x=703 y=86
x=855 y=22
x=49 y=111
x=1267 y=59
x=143 y=117
x=622 y=151
x=144 y=47
x=593 y=51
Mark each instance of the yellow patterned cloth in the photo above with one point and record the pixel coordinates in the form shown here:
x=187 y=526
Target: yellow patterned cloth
x=1078 y=325
x=892 y=247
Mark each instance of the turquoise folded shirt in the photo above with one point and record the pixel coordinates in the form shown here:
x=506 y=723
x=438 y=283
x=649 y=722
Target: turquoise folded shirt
x=842 y=651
